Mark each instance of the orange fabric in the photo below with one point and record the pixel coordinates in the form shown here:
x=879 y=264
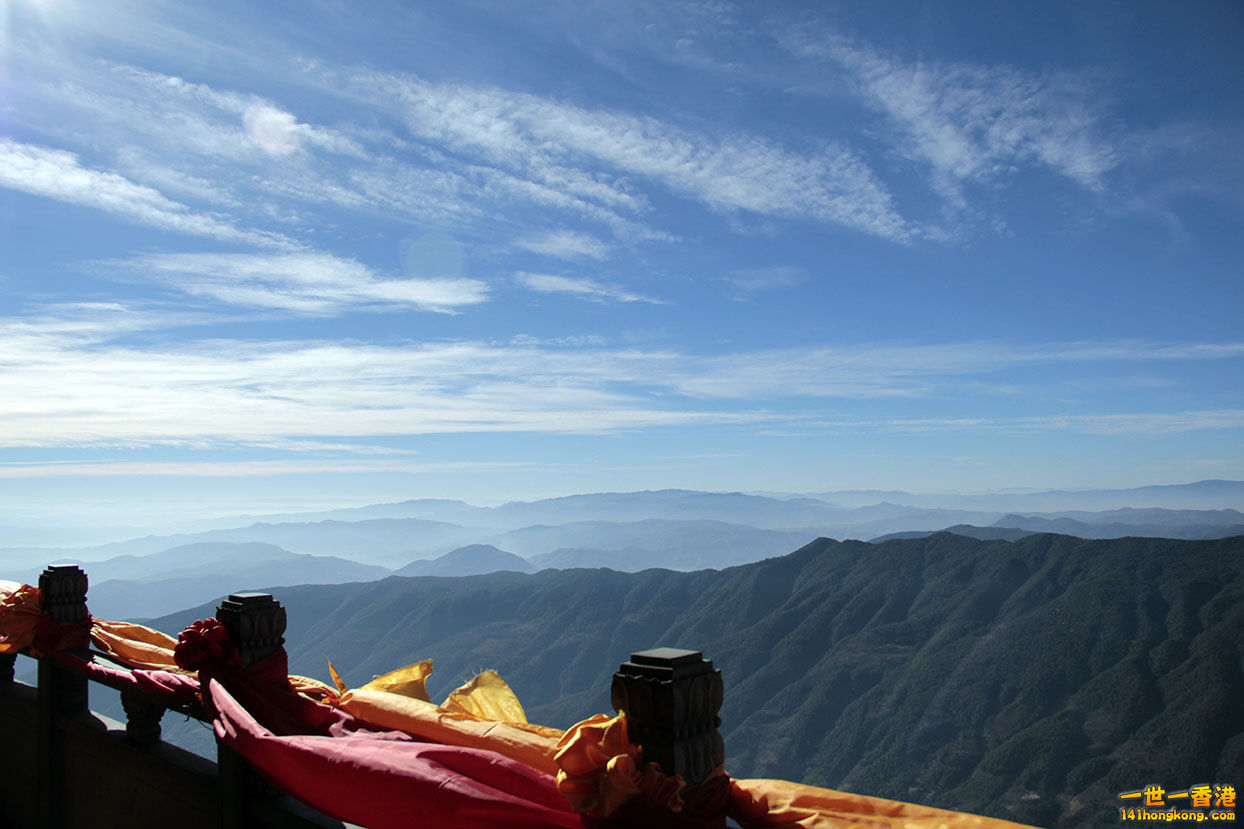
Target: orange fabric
x=20 y=608
x=410 y=681
x=141 y=647
x=483 y=713
x=530 y=745
x=780 y=804
x=136 y=646
x=599 y=771
x=486 y=697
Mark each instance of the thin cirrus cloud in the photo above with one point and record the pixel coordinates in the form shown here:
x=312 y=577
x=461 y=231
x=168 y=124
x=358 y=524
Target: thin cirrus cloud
x=232 y=469
x=886 y=370
x=216 y=122
x=59 y=175
x=305 y=283
x=71 y=378
x=476 y=145
x=257 y=148
x=566 y=244
x=249 y=393
x=231 y=149
x=974 y=123
x=1152 y=424
x=585 y=288
x=560 y=144
x=255 y=151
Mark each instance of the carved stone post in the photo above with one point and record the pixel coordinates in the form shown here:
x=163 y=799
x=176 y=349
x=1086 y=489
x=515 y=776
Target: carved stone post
x=256 y=625
x=64 y=599
x=671 y=698
x=142 y=718
x=61 y=693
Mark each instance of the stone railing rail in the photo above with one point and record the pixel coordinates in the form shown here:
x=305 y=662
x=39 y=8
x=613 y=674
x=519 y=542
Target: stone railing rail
x=66 y=766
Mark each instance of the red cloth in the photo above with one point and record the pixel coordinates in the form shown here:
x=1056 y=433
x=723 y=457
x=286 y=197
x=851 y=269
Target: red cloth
x=264 y=690
x=163 y=685
x=336 y=763
x=205 y=643
x=51 y=636
x=389 y=781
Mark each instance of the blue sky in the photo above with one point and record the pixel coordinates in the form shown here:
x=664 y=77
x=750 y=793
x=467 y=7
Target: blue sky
x=262 y=257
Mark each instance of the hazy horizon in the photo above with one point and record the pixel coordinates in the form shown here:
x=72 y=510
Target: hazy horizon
x=258 y=261
x=49 y=530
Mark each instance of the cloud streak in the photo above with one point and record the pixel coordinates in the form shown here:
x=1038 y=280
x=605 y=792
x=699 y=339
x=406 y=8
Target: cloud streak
x=232 y=469
x=560 y=145
x=585 y=288
x=69 y=382
x=304 y=283
x=566 y=244
x=975 y=123
x=59 y=175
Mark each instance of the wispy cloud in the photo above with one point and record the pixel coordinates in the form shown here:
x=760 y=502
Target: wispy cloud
x=217 y=122
x=307 y=283
x=59 y=175
x=974 y=122
x=74 y=387
x=244 y=153
x=586 y=288
x=562 y=146
x=69 y=379
x=566 y=244
x=477 y=151
x=232 y=469
x=1127 y=424
x=878 y=371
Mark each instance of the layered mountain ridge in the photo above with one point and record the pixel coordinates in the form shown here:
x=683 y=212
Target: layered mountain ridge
x=1031 y=679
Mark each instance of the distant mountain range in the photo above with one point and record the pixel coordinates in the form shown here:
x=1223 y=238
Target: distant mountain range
x=773 y=510
x=966 y=530
x=1031 y=679
x=680 y=528
x=472 y=560
x=1148 y=523
x=135 y=587
x=675 y=529
x=377 y=541
x=1201 y=495
x=676 y=544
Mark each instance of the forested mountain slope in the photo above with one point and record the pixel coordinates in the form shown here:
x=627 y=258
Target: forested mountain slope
x=1031 y=679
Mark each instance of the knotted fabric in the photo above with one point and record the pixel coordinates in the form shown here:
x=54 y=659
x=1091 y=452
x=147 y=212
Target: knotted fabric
x=20 y=606
x=206 y=644
x=601 y=772
x=24 y=623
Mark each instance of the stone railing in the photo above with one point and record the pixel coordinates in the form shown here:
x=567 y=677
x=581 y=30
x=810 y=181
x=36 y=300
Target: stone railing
x=65 y=766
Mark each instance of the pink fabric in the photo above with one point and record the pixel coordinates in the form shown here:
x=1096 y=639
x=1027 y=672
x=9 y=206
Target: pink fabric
x=389 y=781
x=175 y=688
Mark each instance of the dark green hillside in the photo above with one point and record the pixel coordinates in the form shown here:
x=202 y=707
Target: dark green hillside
x=1031 y=680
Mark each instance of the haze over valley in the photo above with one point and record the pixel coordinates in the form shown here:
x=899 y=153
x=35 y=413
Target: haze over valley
x=671 y=529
